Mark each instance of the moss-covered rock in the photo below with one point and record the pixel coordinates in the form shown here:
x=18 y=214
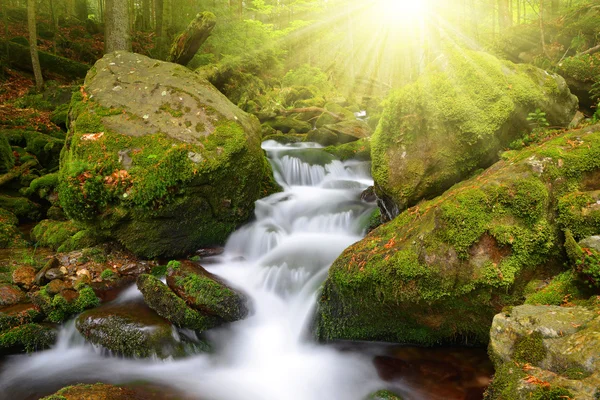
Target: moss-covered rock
x=168 y=305
x=44 y=147
x=102 y=391
x=289 y=124
x=10 y=236
x=10 y=295
x=159 y=160
x=7 y=158
x=545 y=352
x=29 y=337
x=358 y=150
x=18 y=314
x=58 y=307
x=205 y=292
x=63 y=236
x=132 y=330
x=23 y=208
x=454 y=119
x=441 y=270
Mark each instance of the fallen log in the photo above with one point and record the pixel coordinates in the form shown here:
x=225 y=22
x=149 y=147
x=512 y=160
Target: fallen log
x=19 y=57
x=589 y=51
x=311 y=110
x=16 y=172
x=187 y=44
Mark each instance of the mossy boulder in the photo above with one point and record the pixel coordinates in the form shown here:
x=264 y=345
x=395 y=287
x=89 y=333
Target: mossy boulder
x=21 y=207
x=64 y=236
x=159 y=160
x=28 y=337
x=441 y=270
x=10 y=295
x=131 y=330
x=45 y=148
x=455 y=119
x=288 y=124
x=205 y=292
x=545 y=349
x=18 y=314
x=10 y=235
x=57 y=308
x=7 y=158
x=102 y=391
x=159 y=297
x=358 y=150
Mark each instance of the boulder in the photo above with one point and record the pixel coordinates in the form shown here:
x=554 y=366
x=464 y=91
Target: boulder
x=18 y=314
x=289 y=124
x=158 y=159
x=440 y=271
x=28 y=337
x=102 y=391
x=545 y=350
x=455 y=119
x=24 y=276
x=205 y=292
x=10 y=236
x=131 y=330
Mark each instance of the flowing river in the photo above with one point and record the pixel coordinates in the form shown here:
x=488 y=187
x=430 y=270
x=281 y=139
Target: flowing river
x=280 y=260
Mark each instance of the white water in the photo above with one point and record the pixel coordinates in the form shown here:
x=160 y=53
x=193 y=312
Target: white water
x=280 y=260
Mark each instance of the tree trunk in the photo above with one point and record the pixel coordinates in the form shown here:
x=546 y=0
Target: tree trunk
x=504 y=15
x=116 y=26
x=187 y=44
x=35 y=60
x=146 y=15
x=542 y=33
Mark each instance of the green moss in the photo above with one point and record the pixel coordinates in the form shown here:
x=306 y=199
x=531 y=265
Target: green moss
x=529 y=349
x=384 y=395
x=167 y=177
x=57 y=308
x=53 y=234
x=107 y=274
x=506 y=382
x=23 y=208
x=7 y=159
x=453 y=120
x=12 y=319
x=561 y=288
x=175 y=113
x=43 y=186
x=585 y=68
x=159 y=271
x=168 y=305
x=10 y=236
x=576 y=216
x=358 y=150
x=28 y=337
x=551 y=393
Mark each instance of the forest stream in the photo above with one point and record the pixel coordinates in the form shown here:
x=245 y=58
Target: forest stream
x=279 y=260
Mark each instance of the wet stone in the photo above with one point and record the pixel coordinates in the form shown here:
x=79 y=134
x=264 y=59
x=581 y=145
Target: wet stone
x=24 y=277
x=54 y=273
x=10 y=295
x=56 y=286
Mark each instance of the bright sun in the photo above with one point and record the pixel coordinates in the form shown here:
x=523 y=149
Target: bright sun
x=402 y=10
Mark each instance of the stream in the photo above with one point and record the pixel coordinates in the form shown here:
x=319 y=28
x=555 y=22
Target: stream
x=279 y=260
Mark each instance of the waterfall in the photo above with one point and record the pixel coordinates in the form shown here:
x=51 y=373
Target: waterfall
x=279 y=260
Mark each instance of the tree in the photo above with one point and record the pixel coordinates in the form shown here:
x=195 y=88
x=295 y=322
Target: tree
x=116 y=26
x=35 y=60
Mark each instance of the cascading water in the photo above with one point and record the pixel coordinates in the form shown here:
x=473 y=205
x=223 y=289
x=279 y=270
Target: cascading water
x=279 y=260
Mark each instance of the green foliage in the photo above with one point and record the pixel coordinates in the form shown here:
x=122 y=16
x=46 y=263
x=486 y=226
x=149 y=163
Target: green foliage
x=107 y=274
x=538 y=119
x=306 y=75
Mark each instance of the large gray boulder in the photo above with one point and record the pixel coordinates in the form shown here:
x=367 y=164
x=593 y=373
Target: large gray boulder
x=158 y=159
x=546 y=349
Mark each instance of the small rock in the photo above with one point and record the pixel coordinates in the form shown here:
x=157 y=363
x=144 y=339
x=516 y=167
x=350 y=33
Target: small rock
x=56 y=286
x=592 y=242
x=24 y=277
x=369 y=195
x=133 y=268
x=10 y=295
x=54 y=273
x=40 y=277
x=210 y=251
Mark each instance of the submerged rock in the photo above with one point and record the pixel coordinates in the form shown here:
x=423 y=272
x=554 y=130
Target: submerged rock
x=131 y=330
x=158 y=159
x=440 y=271
x=543 y=350
x=455 y=119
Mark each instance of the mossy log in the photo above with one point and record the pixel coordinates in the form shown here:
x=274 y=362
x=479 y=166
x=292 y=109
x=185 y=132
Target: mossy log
x=20 y=58
x=17 y=172
x=187 y=44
